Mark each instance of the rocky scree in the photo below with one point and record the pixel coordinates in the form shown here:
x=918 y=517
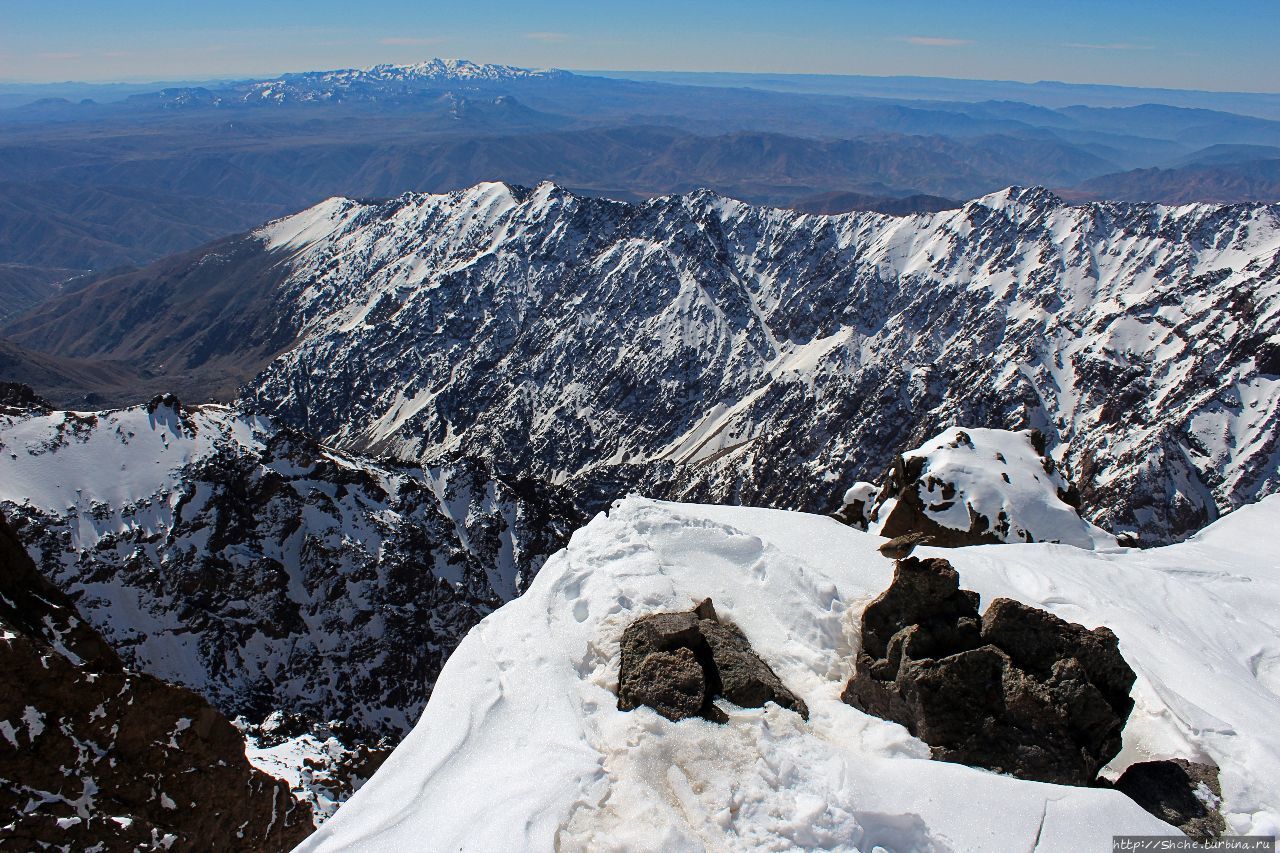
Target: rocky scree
x=679 y=663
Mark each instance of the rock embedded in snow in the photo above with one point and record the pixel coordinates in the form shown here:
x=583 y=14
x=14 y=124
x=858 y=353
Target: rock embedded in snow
x=855 y=509
x=1017 y=690
x=978 y=487
x=1183 y=793
x=670 y=682
x=678 y=663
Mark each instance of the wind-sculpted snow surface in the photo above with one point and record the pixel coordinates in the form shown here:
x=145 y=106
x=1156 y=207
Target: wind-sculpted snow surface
x=241 y=559
x=702 y=348
x=522 y=745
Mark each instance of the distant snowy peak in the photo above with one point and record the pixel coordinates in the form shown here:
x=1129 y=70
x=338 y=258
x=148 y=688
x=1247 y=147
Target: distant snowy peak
x=387 y=79
x=458 y=69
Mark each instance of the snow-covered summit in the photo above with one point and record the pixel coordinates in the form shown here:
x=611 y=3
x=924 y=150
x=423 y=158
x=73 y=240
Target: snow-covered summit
x=523 y=746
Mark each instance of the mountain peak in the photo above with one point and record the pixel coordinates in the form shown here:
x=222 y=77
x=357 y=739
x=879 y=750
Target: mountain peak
x=1015 y=197
x=385 y=80
x=456 y=69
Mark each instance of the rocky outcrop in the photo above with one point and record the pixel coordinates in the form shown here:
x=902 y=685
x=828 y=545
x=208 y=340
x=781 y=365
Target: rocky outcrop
x=975 y=487
x=92 y=753
x=15 y=395
x=1016 y=690
x=1184 y=793
x=679 y=663
x=859 y=500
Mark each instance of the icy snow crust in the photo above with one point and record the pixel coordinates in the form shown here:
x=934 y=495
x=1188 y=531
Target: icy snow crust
x=522 y=746
x=997 y=472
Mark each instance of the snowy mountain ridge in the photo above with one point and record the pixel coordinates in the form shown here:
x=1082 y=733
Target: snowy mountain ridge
x=701 y=348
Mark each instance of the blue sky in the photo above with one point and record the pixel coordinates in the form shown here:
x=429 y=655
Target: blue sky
x=1227 y=45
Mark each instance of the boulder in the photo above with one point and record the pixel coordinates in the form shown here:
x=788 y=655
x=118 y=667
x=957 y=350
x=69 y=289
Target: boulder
x=1183 y=793
x=670 y=682
x=679 y=663
x=1016 y=690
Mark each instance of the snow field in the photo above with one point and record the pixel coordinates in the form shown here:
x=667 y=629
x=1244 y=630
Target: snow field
x=522 y=746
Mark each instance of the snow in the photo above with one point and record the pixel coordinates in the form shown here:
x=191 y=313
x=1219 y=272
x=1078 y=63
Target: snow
x=312 y=224
x=522 y=745
x=997 y=473
x=302 y=762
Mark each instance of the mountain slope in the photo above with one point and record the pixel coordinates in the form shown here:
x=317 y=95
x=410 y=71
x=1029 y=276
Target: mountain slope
x=64 y=380
x=1204 y=646
x=245 y=561
x=699 y=347
x=95 y=756
x=1247 y=180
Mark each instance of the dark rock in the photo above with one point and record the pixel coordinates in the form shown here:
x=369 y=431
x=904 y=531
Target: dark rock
x=16 y=395
x=671 y=683
x=925 y=594
x=900 y=547
x=1179 y=792
x=678 y=663
x=1017 y=690
x=101 y=755
x=1036 y=641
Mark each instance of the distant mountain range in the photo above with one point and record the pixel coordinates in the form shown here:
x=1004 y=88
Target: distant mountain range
x=90 y=185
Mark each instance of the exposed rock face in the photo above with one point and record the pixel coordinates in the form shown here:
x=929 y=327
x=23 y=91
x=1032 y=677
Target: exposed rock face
x=93 y=753
x=678 y=663
x=976 y=487
x=1016 y=690
x=1183 y=793
x=324 y=764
